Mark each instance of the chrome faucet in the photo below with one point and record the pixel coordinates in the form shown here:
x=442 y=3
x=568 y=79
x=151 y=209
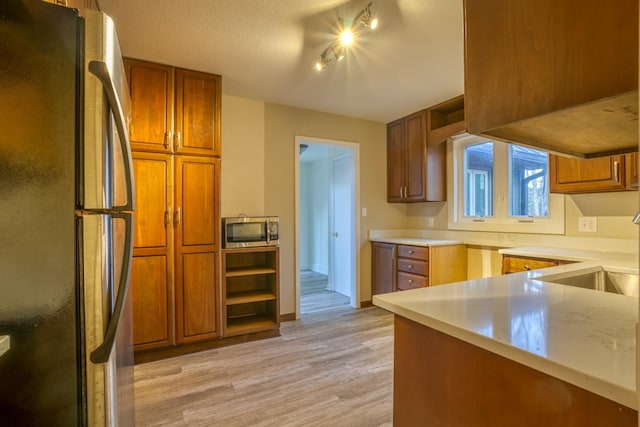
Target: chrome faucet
x=636 y=218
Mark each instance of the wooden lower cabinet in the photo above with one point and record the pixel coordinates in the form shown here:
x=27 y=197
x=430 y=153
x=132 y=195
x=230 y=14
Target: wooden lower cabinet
x=516 y=264
x=439 y=380
x=153 y=302
x=383 y=262
x=403 y=267
x=174 y=277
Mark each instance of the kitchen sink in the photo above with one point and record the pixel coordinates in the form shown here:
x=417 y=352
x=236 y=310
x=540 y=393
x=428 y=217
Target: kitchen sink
x=598 y=279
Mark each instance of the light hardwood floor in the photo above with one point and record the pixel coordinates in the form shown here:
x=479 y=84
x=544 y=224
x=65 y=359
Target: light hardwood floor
x=332 y=368
x=315 y=297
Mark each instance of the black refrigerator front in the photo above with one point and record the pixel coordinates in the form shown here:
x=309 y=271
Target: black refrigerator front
x=65 y=220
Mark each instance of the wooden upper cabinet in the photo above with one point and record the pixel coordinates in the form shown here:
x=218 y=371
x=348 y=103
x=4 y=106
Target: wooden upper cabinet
x=151 y=91
x=570 y=175
x=197 y=113
x=415 y=169
x=527 y=59
x=173 y=110
x=396 y=175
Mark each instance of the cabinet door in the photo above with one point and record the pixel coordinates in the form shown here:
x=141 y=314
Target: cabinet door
x=524 y=58
x=632 y=170
x=511 y=264
x=197 y=258
x=569 y=175
x=151 y=90
x=197 y=113
x=395 y=161
x=383 y=266
x=152 y=271
x=416 y=157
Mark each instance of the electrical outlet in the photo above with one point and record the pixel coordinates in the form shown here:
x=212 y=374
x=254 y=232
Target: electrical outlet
x=588 y=224
x=364 y=211
x=430 y=221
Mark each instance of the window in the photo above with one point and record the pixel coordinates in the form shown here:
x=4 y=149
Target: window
x=496 y=186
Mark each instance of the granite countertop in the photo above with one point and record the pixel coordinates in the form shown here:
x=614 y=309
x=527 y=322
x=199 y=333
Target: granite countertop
x=581 y=336
x=4 y=344
x=415 y=241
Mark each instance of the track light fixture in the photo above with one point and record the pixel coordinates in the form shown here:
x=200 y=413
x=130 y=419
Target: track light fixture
x=337 y=49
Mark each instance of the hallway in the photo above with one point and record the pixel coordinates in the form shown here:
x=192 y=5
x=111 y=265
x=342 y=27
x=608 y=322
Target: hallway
x=314 y=295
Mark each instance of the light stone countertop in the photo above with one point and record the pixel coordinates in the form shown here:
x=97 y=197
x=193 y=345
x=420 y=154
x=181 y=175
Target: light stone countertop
x=4 y=344
x=415 y=241
x=584 y=337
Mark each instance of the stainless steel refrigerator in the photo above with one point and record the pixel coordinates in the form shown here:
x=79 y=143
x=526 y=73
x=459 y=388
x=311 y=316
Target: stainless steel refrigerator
x=66 y=203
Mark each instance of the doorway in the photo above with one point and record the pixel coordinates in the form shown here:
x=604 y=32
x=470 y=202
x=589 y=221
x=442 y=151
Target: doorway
x=327 y=226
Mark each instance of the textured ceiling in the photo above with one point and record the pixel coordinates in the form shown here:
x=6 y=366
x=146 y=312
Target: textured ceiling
x=266 y=49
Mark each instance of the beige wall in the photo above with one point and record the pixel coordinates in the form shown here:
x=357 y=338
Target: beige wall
x=242 y=174
x=282 y=125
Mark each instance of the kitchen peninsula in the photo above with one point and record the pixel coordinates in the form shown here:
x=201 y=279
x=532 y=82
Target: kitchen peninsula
x=514 y=350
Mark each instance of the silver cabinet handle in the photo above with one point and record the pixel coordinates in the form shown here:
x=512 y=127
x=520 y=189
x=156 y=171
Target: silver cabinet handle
x=527 y=268
x=616 y=170
x=410 y=280
x=178 y=141
x=176 y=216
x=410 y=266
x=167 y=217
x=168 y=136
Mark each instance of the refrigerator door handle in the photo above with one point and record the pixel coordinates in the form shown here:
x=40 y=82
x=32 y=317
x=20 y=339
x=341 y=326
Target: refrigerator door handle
x=101 y=71
x=103 y=351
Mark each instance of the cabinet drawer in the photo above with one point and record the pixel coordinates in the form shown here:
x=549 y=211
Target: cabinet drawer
x=514 y=264
x=415 y=252
x=408 y=281
x=413 y=266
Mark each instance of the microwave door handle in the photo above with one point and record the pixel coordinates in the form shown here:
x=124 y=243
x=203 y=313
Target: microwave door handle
x=100 y=70
x=103 y=351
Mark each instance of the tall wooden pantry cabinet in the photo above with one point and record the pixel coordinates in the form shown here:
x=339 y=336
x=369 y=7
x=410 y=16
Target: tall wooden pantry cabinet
x=175 y=137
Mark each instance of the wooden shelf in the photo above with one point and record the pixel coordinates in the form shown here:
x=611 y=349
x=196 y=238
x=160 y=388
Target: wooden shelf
x=250 y=296
x=250 y=290
x=248 y=324
x=441 y=134
x=249 y=271
x=446 y=119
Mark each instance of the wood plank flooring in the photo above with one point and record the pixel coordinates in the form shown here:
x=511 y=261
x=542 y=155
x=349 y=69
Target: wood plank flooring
x=314 y=295
x=332 y=368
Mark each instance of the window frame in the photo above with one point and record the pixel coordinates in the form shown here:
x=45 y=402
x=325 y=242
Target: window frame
x=501 y=220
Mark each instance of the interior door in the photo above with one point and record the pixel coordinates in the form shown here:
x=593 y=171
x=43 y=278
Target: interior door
x=342 y=236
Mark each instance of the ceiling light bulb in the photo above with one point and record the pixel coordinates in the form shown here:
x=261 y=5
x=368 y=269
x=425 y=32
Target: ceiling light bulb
x=324 y=61
x=338 y=52
x=346 y=38
x=366 y=19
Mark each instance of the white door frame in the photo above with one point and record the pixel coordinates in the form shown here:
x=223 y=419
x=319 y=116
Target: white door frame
x=355 y=286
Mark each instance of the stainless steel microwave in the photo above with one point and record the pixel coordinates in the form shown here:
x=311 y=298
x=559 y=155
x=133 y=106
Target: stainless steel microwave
x=250 y=231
